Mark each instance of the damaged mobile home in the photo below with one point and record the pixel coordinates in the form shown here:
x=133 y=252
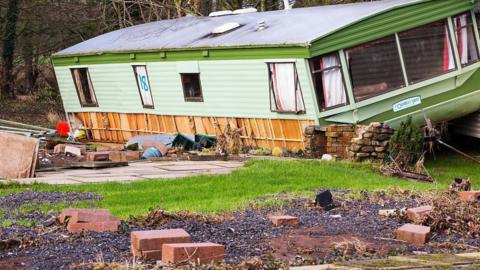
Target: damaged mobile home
x=275 y=73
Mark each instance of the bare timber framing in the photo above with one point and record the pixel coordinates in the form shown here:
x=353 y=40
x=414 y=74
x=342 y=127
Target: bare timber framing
x=258 y=132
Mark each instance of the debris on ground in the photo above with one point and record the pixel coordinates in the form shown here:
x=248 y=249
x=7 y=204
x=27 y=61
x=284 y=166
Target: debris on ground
x=459 y=184
x=351 y=230
x=18 y=156
x=324 y=199
x=97 y=220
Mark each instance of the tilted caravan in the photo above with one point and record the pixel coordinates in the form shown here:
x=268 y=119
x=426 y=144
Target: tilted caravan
x=274 y=73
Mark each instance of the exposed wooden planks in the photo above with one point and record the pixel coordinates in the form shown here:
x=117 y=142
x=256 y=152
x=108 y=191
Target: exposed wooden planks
x=258 y=132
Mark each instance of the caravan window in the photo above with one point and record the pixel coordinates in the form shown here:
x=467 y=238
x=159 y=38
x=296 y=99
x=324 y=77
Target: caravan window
x=328 y=81
x=375 y=68
x=465 y=38
x=192 y=89
x=84 y=86
x=285 y=91
x=143 y=86
x=427 y=51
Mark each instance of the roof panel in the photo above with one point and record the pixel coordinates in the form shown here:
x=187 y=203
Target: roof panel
x=297 y=26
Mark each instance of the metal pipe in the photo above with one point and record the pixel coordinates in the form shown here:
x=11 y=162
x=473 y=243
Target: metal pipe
x=21 y=125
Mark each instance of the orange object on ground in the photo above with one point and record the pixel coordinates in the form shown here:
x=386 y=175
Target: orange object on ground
x=62 y=129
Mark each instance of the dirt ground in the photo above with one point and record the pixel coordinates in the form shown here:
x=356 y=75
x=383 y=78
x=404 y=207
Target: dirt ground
x=352 y=230
x=34 y=110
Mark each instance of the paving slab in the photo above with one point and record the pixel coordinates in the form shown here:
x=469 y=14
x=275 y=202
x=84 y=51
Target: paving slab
x=138 y=170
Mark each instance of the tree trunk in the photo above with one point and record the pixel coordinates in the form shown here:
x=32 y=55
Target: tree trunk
x=6 y=84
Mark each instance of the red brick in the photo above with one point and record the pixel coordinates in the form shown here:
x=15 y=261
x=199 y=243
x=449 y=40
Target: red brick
x=147 y=254
x=97 y=156
x=284 y=220
x=469 y=196
x=153 y=240
x=418 y=214
x=68 y=212
x=413 y=234
x=91 y=216
x=192 y=252
x=105 y=226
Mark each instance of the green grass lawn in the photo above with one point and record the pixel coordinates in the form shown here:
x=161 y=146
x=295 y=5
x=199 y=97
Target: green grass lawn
x=220 y=193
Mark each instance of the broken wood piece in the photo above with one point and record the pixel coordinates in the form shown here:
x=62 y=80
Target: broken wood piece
x=95 y=164
x=18 y=156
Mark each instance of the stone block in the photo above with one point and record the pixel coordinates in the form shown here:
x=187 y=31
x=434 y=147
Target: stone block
x=154 y=239
x=367 y=149
x=413 y=234
x=192 y=252
x=469 y=196
x=284 y=220
x=379 y=149
x=362 y=155
x=418 y=214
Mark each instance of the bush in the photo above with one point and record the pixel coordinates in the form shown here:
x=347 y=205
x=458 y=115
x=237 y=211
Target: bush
x=406 y=145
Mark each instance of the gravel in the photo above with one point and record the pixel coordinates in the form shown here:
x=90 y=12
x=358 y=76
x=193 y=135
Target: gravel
x=245 y=235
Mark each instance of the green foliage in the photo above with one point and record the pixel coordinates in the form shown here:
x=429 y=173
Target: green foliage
x=406 y=145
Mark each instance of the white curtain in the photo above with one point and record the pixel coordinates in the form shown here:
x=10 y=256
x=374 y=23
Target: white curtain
x=333 y=87
x=286 y=87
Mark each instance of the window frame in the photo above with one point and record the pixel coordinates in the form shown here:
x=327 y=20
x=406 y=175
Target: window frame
x=90 y=83
x=344 y=81
x=455 y=31
x=192 y=99
x=149 y=85
x=271 y=90
x=452 y=44
x=406 y=83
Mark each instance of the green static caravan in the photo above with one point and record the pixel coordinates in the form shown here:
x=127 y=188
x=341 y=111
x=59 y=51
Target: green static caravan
x=274 y=73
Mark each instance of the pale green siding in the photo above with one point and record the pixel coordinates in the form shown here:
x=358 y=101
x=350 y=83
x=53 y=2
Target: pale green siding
x=236 y=88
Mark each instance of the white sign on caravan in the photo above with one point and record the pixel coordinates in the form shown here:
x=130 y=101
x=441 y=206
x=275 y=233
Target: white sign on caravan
x=407 y=103
x=144 y=86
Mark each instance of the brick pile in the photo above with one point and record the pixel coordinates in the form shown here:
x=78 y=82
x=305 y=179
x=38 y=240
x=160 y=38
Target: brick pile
x=339 y=137
x=149 y=244
x=98 y=220
x=315 y=141
x=174 y=246
x=371 y=142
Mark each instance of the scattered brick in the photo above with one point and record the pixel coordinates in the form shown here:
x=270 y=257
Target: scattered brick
x=60 y=148
x=91 y=216
x=197 y=252
x=470 y=196
x=154 y=239
x=413 y=234
x=147 y=254
x=97 y=156
x=104 y=226
x=418 y=214
x=69 y=212
x=284 y=220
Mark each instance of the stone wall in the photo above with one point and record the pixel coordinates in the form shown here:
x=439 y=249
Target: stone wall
x=314 y=138
x=371 y=142
x=345 y=141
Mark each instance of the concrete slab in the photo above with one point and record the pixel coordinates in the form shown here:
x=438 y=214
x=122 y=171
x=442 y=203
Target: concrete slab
x=136 y=171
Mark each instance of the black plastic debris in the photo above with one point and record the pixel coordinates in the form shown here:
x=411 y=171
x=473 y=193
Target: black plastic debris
x=324 y=199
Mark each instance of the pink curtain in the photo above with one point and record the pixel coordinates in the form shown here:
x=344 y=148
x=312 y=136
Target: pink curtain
x=448 y=59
